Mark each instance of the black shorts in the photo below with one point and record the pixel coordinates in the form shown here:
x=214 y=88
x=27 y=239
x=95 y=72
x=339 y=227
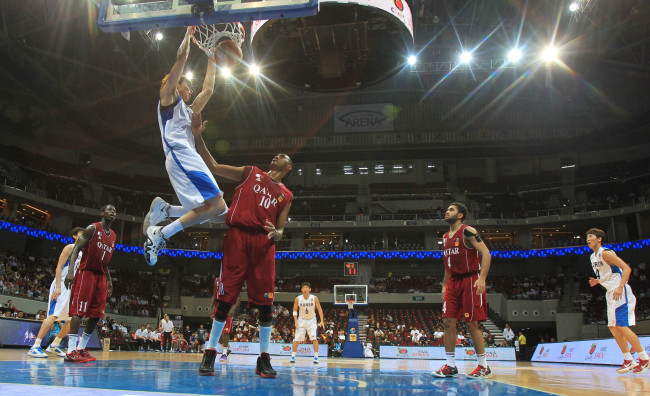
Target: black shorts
x=201 y=341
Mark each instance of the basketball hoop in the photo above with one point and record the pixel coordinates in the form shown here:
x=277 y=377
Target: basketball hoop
x=350 y=304
x=207 y=37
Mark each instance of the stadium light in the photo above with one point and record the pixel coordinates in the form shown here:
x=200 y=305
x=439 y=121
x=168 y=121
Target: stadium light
x=412 y=60
x=225 y=72
x=466 y=57
x=514 y=55
x=549 y=54
x=189 y=75
x=254 y=69
x=159 y=36
x=574 y=6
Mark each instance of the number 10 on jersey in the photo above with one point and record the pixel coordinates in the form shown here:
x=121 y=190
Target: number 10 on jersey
x=350 y=269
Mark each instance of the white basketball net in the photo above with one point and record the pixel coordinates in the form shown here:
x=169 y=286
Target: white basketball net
x=207 y=37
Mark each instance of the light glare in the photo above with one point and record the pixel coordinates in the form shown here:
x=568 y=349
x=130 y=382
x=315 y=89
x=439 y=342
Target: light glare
x=574 y=6
x=465 y=57
x=225 y=72
x=159 y=36
x=189 y=75
x=412 y=60
x=550 y=53
x=255 y=70
x=514 y=55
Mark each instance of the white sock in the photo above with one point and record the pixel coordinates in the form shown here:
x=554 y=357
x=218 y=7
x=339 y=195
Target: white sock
x=293 y=354
x=83 y=341
x=643 y=355
x=37 y=342
x=176 y=211
x=172 y=229
x=315 y=355
x=451 y=359
x=72 y=342
x=627 y=356
x=482 y=360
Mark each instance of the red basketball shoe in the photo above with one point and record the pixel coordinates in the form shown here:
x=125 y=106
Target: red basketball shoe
x=85 y=354
x=642 y=366
x=75 y=357
x=481 y=372
x=446 y=372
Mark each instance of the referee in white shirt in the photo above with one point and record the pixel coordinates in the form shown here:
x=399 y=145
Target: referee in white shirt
x=509 y=335
x=167 y=326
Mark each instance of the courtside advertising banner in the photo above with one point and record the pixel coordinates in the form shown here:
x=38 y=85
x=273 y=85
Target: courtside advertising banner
x=253 y=348
x=604 y=351
x=438 y=353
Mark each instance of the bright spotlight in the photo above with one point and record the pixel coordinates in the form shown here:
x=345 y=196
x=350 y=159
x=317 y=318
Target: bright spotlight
x=412 y=60
x=189 y=75
x=514 y=55
x=254 y=69
x=550 y=54
x=159 y=36
x=574 y=6
x=225 y=72
x=466 y=57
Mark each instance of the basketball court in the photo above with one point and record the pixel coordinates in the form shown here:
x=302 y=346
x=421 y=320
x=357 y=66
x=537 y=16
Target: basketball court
x=126 y=373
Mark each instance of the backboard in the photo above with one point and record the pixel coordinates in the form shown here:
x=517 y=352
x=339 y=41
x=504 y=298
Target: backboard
x=343 y=293
x=127 y=15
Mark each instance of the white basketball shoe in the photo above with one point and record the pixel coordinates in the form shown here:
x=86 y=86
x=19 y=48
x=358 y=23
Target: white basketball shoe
x=154 y=244
x=158 y=212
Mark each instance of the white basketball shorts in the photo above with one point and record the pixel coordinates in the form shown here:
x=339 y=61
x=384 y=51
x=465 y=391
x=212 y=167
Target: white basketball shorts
x=306 y=326
x=60 y=306
x=621 y=312
x=192 y=180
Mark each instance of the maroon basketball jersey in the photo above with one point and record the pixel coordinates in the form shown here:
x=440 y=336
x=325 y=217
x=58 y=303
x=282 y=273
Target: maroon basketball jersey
x=460 y=259
x=98 y=251
x=258 y=198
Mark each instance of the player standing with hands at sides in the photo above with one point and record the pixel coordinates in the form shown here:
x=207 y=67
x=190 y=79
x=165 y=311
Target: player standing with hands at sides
x=256 y=221
x=195 y=187
x=613 y=273
x=91 y=284
x=305 y=320
x=467 y=263
x=59 y=302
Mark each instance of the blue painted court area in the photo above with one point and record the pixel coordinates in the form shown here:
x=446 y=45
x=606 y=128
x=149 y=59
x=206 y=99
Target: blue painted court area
x=143 y=377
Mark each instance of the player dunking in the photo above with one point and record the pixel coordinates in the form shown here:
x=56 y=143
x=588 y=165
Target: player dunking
x=195 y=187
x=463 y=289
x=58 y=303
x=257 y=219
x=305 y=320
x=613 y=273
x=91 y=284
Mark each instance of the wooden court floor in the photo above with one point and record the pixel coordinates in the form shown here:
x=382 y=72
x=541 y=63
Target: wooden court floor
x=152 y=373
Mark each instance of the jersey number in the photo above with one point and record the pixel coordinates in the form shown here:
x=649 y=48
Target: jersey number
x=597 y=274
x=83 y=305
x=265 y=202
x=103 y=254
x=306 y=311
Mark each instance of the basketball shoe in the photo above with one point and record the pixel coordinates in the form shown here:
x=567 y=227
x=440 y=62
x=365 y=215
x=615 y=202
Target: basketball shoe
x=37 y=352
x=446 y=372
x=55 y=350
x=292 y=360
x=223 y=358
x=627 y=366
x=642 y=366
x=264 y=367
x=154 y=244
x=315 y=359
x=207 y=364
x=75 y=357
x=158 y=212
x=84 y=353
x=480 y=372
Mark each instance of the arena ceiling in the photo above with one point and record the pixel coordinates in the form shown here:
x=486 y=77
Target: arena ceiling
x=68 y=87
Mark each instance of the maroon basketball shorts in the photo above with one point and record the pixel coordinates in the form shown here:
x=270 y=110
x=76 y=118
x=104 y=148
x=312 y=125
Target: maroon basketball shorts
x=88 y=296
x=461 y=301
x=247 y=256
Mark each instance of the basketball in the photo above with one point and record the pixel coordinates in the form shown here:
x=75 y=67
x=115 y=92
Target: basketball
x=228 y=54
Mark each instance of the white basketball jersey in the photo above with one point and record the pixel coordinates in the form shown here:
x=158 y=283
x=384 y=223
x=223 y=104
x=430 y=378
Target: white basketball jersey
x=175 y=122
x=306 y=307
x=66 y=268
x=609 y=275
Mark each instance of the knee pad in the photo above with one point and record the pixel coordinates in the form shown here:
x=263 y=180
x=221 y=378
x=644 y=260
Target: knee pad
x=221 y=311
x=266 y=315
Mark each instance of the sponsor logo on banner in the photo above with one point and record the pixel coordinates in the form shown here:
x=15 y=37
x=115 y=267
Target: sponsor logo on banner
x=470 y=352
x=286 y=348
x=603 y=351
x=363 y=118
x=387 y=351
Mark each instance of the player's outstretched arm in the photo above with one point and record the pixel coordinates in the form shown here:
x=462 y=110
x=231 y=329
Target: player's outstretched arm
x=168 y=91
x=229 y=172
x=63 y=257
x=486 y=257
x=208 y=87
x=78 y=246
x=611 y=258
x=320 y=312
